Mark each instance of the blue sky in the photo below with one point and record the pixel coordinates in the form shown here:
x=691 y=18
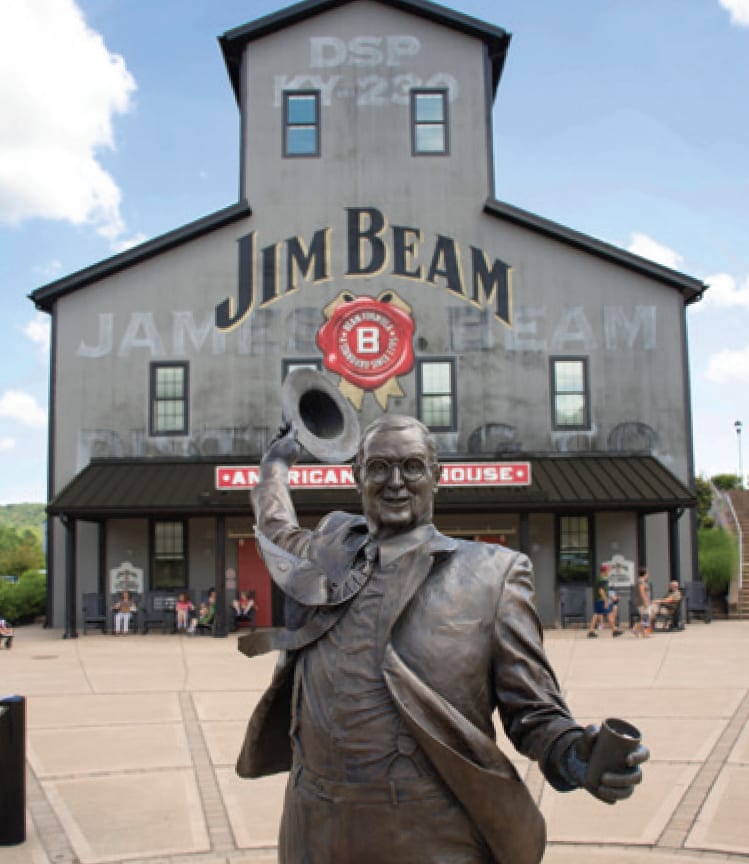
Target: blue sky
x=623 y=119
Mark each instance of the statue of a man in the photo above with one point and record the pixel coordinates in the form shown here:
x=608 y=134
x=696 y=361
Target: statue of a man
x=400 y=643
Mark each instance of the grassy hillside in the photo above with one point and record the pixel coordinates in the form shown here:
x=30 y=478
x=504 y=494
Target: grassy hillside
x=21 y=516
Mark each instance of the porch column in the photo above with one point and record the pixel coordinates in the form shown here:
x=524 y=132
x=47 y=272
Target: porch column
x=101 y=529
x=673 y=545
x=524 y=540
x=642 y=543
x=71 y=588
x=219 y=629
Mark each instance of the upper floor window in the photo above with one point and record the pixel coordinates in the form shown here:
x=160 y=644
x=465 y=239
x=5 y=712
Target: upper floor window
x=570 y=399
x=301 y=126
x=169 y=399
x=429 y=122
x=437 y=399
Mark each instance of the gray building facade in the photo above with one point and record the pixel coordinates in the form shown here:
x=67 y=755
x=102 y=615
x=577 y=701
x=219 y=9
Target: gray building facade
x=367 y=241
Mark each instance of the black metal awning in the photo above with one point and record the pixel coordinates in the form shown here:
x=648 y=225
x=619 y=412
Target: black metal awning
x=120 y=488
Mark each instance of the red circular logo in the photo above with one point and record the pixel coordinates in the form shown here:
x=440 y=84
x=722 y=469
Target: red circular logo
x=367 y=342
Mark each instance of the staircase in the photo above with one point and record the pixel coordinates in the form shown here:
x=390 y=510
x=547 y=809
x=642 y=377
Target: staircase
x=740 y=500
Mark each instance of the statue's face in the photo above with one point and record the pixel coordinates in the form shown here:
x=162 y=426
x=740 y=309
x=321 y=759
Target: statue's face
x=397 y=481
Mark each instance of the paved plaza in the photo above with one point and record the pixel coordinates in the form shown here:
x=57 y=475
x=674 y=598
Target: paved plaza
x=131 y=745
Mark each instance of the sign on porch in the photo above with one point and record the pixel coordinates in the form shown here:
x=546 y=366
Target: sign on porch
x=126 y=577
x=621 y=572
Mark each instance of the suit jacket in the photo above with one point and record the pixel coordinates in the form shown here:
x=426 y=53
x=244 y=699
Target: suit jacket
x=466 y=639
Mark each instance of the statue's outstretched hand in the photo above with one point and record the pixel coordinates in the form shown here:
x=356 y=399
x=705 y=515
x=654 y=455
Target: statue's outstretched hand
x=616 y=781
x=284 y=446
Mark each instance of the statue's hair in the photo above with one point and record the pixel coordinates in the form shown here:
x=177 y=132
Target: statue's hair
x=395 y=423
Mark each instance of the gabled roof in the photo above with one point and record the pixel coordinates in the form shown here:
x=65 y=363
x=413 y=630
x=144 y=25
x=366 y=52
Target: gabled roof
x=109 y=488
x=234 y=42
x=691 y=288
x=44 y=297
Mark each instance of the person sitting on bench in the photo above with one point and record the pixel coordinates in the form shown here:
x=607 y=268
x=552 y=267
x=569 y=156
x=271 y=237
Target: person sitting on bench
x=6 y=632
x=244 y=609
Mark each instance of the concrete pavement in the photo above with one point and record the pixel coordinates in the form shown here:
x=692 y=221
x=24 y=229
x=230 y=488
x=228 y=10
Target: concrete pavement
x=132 y=742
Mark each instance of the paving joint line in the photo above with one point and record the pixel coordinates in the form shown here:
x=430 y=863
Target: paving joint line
x=687 y=811
x=212 y=801
x=49 y=829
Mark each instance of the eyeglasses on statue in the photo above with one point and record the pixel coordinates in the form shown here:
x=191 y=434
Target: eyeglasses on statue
x=381 y=470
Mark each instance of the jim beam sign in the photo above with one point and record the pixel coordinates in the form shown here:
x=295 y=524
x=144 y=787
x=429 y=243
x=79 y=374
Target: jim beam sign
x=454 y=474
x=367 y=340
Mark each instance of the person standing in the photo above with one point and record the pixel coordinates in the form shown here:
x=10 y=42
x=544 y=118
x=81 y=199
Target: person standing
x=643 y=601
x=604 y=608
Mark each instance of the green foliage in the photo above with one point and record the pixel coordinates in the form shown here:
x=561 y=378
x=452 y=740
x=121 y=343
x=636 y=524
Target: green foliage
x=717 y=554
x=726 y=482
x=704 y=502
x=21 y=516
x=20 y=550
x=24 y=600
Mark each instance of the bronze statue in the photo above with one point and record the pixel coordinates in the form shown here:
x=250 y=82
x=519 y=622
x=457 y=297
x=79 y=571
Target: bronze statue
x=400 y=643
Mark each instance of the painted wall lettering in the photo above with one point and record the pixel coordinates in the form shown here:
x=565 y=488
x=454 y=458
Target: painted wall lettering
x=621 y=331
x=327 y=52
x=367 y=53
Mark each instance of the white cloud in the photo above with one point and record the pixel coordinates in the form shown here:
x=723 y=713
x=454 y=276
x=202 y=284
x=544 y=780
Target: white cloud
x=729 y=365
x=646 y=247
x=37 y=330
x=22 y=407
x=739 y=11
x=725 y=291
x=58 y=98
x=126 y=243
x=7 y=443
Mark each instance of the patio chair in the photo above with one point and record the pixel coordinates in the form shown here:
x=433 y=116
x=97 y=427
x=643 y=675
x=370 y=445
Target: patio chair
x=94 y=612
x=573 y=604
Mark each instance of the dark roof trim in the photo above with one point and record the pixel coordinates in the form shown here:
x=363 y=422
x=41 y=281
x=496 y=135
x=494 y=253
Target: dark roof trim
x=234 y=42
x=112 y=488
x=691 y=288
x=45 y=296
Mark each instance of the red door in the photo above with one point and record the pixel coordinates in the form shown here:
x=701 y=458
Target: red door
x=253 y=576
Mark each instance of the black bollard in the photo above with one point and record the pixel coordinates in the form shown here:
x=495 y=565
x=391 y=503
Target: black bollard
x=12 y=770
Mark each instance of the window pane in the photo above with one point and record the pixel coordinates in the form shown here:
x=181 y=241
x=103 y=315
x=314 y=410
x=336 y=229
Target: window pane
x=568 y=375
x=436 y=410
x=170 y=416
x=301 y=139
x=429 y=108
x=430 y=139
x=435 y=378
x=570 y=410
x=169 y=383
x=301 y=109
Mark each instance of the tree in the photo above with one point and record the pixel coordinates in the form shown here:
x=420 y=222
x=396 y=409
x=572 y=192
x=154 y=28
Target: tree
x=726 y=482
x=19 y=551
x=704 y=502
